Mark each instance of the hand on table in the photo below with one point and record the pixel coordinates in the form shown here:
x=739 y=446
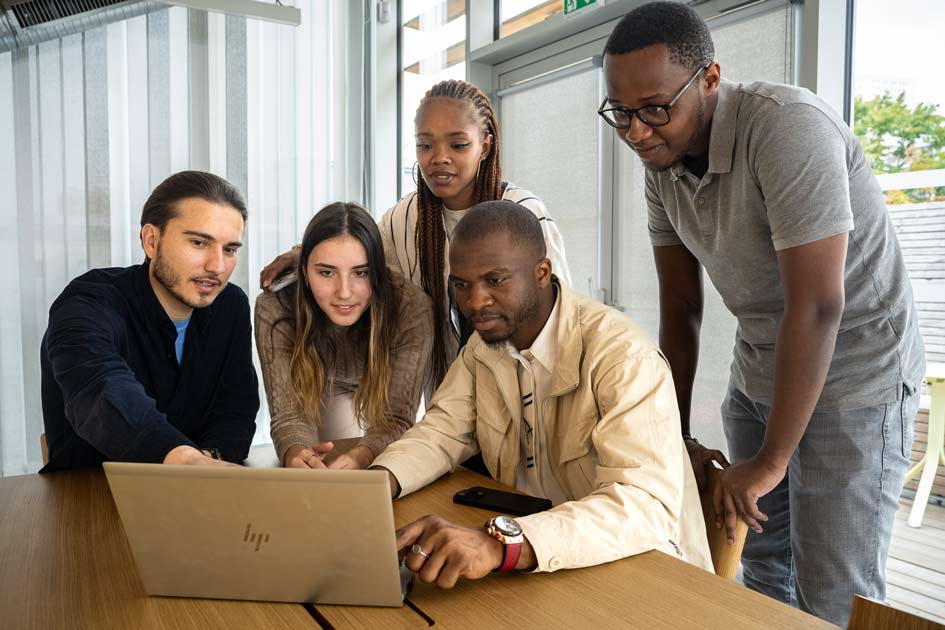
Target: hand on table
x=742 y=485
x=701 y=457
x=299 y=456
x=280 y=263
x=190 y=456
x=451 y=551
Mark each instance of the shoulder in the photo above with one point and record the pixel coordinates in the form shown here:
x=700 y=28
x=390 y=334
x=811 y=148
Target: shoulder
x=520 y=195
x=414 y=302
x=527 y=199
x=400 y=210
x=271 y=307
x=609 y=336
x=100 y=290
x=790 y=109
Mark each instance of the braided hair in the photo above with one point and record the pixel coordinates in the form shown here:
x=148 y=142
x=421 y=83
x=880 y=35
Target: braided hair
x=430 y=237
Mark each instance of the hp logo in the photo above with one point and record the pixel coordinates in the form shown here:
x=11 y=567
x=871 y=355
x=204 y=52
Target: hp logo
x=254 y=537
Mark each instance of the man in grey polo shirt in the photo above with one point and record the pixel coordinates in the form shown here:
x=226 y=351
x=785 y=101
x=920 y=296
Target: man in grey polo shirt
x=768 y=190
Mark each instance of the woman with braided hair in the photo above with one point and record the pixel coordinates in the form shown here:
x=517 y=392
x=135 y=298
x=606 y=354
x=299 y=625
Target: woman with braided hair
x=458 y=164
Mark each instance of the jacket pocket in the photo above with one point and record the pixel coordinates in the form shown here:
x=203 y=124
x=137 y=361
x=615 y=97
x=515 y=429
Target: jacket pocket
x=578 y=458
x=576 y=438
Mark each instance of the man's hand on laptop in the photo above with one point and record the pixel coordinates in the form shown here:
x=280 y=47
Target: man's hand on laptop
x=301 y=456
x=184 y=454
x=450 y=552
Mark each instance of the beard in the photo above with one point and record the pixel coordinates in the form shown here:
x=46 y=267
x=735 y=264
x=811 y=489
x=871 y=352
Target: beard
x=519 y=318
x=170 y=280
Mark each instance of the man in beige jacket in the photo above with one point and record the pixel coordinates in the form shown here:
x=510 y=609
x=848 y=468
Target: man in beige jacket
x=566 y=399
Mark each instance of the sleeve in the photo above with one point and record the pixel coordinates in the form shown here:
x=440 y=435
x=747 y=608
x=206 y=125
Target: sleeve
x=274 y=342
x=661 y=230
x=386 y=227
x=638 y=480
x=444 y=438
x=104 y=401
x=554 y=243
x=397 y=238
x=231 y=423
x=799 y=159
x=409 y=365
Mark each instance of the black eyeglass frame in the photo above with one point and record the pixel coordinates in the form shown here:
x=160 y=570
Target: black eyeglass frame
x=630 y=113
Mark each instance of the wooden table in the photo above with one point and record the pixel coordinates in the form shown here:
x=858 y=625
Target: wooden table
x=65 y=563
x=651 y=591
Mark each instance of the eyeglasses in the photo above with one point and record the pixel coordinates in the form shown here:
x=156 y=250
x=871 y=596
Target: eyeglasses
x=651 y=115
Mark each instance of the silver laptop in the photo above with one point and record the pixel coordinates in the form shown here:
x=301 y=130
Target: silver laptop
x=275 y=534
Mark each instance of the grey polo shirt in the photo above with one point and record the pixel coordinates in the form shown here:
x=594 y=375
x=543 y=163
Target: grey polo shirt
x=784 y=170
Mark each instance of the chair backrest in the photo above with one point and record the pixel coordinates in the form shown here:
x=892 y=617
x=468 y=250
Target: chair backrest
x=42 y=445
x=868 y=614
x=725 y=557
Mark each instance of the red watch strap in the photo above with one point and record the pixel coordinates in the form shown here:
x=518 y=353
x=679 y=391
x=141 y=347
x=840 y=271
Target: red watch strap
x=510 y=557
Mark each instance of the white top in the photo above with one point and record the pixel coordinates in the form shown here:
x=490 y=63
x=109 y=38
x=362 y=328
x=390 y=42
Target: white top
x=398 y=229
x=537 y=363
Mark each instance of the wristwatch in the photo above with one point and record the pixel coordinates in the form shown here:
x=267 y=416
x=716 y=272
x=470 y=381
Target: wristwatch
x=508 y=532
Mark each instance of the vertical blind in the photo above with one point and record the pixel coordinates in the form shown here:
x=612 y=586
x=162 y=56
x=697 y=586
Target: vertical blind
x=90 y=123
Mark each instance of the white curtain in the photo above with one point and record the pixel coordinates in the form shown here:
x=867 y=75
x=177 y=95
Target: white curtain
x=90 y=123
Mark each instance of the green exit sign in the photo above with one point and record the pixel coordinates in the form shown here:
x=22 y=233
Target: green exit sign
x=572 y=7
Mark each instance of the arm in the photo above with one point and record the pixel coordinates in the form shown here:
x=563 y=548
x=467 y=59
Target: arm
x=289 y=426
x=681 y=302
x=638 y=497
x=231 y=422
x=444 y=438
x=409 y=364
x=812 y=275
x=104 y=402
x=807 y=203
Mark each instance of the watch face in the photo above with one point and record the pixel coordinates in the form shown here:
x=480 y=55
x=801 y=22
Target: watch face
x=507 y=526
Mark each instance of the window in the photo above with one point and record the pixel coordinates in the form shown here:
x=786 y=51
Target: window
x=899 y=116
x=520 y=14
x=434 y=49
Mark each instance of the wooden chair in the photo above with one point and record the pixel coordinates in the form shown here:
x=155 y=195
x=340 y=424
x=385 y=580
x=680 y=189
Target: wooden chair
x=872 y=615
x=42 y=445
x=725 y=557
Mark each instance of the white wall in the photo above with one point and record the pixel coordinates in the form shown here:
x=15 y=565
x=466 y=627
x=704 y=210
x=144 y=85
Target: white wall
x=90 y=123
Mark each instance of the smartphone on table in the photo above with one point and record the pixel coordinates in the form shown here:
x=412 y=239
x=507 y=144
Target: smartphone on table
x=500 y=501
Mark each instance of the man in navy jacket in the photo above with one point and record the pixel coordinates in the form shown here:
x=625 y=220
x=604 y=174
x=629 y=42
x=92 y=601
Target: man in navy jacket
x=153 y=362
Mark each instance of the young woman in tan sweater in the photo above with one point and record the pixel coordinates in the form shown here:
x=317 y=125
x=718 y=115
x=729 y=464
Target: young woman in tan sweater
x=345 y=350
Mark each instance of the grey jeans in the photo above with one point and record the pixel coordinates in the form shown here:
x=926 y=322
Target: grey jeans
x=831 y=518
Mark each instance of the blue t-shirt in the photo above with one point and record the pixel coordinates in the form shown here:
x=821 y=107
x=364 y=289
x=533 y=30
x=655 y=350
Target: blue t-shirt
x=181 y=335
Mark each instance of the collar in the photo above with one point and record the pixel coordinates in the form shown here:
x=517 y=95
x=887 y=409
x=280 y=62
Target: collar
x=721 y=132
x=568 y=350
x=544 y=347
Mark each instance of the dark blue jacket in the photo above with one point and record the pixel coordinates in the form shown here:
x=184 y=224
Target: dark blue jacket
x=111 y=385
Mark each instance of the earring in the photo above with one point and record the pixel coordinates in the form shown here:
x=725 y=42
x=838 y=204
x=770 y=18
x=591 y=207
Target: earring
x=413 y=173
